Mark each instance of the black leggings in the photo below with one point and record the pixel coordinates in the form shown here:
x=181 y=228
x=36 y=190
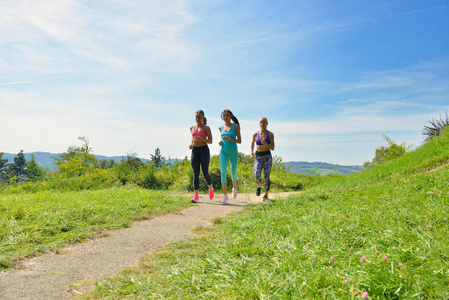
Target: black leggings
x=200 y=158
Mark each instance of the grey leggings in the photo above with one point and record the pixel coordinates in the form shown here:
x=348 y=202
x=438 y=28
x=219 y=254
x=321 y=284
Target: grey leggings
x=263 y=161
x=200 y=158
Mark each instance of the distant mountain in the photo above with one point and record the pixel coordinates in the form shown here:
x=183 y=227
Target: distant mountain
x=320 y=168
x=45 y=159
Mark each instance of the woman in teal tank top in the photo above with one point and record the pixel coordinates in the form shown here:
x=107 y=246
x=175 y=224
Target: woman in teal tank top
x=230 y=137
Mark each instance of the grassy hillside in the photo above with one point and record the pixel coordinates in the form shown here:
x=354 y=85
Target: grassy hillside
x=380 y=234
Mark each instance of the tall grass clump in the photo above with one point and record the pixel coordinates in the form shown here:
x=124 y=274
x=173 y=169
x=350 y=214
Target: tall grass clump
x=380 y=234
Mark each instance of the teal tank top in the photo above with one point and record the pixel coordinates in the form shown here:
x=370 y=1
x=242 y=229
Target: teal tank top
x=232 y=134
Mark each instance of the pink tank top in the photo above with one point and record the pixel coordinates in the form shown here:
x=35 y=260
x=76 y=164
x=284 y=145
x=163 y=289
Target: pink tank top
x=200 y=133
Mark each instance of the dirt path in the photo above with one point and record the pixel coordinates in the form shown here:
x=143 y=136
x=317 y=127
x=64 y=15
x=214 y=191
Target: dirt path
x=48 y=276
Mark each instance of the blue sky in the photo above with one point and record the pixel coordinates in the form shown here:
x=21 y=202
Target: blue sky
x=330 y=76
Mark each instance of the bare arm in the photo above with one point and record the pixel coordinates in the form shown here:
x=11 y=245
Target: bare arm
x=209 y=135
x=252 y=145
x=191 y=140
x=239 y=137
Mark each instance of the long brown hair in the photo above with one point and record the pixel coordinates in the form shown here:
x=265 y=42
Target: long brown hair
x=233 y=118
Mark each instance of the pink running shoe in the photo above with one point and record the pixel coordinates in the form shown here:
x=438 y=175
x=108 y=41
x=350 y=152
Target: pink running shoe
x=234 y=193
x=211 y=194
x=195 y=198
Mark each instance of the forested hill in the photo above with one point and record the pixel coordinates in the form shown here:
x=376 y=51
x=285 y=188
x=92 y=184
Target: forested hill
x=321 y=168
x=45 y=159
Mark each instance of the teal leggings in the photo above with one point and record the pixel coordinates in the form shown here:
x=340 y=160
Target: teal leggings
x=225 y=156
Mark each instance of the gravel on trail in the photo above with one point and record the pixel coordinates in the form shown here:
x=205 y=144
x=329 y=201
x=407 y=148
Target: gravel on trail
x=50 y=275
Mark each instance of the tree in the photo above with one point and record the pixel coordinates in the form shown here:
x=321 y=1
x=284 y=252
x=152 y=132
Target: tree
x=16 y=171
x=34 y=171
x=77 y=160
x=157 y=159
x=3 y=162
x=133 y=161
x=106 y=164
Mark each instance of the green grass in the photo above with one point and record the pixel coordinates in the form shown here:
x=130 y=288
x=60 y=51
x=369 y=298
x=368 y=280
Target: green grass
x=36 y=222
x=383 y=232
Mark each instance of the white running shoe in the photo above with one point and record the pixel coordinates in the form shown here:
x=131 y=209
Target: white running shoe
x=225 y=199
x=234 y=193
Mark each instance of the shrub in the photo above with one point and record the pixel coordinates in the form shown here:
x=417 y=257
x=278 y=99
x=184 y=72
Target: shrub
x=435 y=128
x=384 y=153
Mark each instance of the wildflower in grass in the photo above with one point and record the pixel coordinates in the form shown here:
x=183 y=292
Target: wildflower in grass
x=394 y=248
x=310 y=244
x=363 y=233
x=400 y=265
x=365 y=295
x=385 y=259
x=345 y=281
x=347 y=215
x=399 y=209
x=445 y=219
x=332 y=258
x=427 y=226
x=351 y=250
x=314 y=213
x=363 y=258
x=377 y=252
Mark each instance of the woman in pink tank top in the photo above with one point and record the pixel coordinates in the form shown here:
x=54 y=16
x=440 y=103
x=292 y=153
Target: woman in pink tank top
x=201 y=136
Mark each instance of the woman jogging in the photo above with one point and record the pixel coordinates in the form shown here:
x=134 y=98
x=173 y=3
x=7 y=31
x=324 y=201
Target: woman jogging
x=230 y=137
x=264 y=141
x=201 y=136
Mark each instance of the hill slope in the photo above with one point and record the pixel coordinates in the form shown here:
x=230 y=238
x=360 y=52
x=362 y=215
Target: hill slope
x=379 y=234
